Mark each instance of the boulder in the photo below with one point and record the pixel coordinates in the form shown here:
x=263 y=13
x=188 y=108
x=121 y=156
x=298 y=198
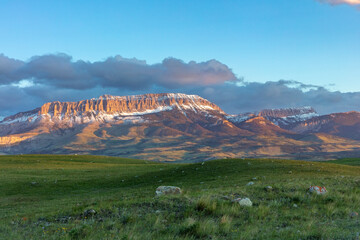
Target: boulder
x=243 y=202
x=250 y=183
x=317 y=190
x=89 y=212
x=166 y=190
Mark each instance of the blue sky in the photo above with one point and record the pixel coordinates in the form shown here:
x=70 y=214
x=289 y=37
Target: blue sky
x=263 y=41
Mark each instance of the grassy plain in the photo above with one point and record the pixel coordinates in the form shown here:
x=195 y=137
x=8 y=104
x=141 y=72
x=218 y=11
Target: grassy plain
x=50 y=197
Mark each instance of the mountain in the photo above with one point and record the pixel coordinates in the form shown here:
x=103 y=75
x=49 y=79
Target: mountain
x=174 y=126
x=346 y=125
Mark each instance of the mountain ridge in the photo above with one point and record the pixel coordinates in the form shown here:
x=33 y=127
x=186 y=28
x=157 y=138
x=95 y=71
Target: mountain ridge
x=177 y=126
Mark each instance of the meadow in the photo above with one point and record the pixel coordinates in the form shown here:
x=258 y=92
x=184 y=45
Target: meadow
x=98 y=197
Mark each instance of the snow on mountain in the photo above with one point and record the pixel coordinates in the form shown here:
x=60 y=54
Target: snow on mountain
x=114 y=108
x=240 y=117
x=282 y=116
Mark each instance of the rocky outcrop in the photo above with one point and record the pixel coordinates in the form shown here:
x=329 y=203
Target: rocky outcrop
x=167 y=190
x=129 y=104
x=286 y=112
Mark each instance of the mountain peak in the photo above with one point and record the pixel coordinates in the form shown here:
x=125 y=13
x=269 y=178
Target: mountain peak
x=109 y=108
x=287 y=112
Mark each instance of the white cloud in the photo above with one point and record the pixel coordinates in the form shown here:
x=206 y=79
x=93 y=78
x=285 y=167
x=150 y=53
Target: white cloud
x=337 y=2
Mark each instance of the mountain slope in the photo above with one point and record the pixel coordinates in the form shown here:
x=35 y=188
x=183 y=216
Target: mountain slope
x=176 y=127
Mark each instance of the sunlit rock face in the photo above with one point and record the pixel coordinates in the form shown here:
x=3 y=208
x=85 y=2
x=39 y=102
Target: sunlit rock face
x=175 y=126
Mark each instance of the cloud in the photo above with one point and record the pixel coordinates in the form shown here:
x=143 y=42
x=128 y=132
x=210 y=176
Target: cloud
x=25 y=85
x=60 y=70
x=257 y=96
x=337 y=2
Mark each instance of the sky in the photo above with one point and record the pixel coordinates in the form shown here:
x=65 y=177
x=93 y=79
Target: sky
x=242 y=55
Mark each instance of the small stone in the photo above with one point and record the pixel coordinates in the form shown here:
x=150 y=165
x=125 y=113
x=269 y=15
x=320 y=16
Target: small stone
x=157 y=211
x=268 y=188
x=89 y=212
x=250 y=183
x=353 y=214
x=290 y=172
x=254 y=178
x=317 y=190
x=295 y=205
x=165 y=190
x=246 y=202
x=34 y=183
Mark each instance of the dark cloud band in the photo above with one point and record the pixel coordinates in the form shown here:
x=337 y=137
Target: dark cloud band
x=60 y=71
x=59 y=78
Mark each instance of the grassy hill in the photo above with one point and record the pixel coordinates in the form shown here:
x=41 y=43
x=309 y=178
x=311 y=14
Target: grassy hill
x=50 y=197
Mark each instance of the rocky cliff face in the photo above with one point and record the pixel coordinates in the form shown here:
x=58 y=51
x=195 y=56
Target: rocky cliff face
x=287 y=112
x=139 y=104
x=110 y=108
x=176 y=126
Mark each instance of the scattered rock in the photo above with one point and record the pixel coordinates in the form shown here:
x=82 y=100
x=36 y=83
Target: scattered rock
x=245 y=202
x=89 y=212
x=317 y=190
x=254 y=178
x=295 y=205
x=165 y=190
x=290 y=172
x=34 y=183
x=268 y=188
x=353 y=214
x=157 y=211
x=250 y=183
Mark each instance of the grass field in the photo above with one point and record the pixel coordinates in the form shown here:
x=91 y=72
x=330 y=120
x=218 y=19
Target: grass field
x=49 y=197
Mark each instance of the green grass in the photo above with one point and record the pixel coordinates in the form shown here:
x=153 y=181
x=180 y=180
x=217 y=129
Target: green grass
x=45 y=197
x=348 y=161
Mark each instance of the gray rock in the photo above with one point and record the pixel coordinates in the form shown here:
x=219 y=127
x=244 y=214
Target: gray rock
x=250 y=183
x=246 y=202
x=268 y=188
x=166 y=190
x=89 y=212
x=317 y=190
